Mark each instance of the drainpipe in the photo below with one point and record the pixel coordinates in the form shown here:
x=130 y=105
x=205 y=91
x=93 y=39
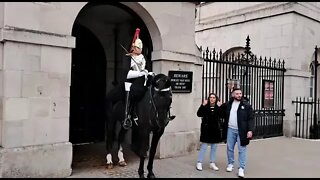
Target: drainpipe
x=315 y=123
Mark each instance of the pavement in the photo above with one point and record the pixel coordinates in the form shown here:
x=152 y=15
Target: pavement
x=278 y=157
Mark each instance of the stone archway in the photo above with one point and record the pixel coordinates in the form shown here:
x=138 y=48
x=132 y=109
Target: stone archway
x=98 y=38
x=98 y=21
x=134 y=6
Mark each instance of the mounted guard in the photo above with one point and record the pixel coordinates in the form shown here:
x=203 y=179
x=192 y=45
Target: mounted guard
x=136 y=82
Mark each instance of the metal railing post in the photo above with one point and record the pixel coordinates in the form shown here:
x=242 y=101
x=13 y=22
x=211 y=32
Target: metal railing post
x=315 y=123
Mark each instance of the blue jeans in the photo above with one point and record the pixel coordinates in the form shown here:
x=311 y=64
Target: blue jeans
x=203 y=150
x=232 y=139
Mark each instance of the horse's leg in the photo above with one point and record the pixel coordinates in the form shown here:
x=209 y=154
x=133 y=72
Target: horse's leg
x=109 y=145
x=154 y=143
x=122 y=162
x=113 y=131
x=143 y=148
x=141 y=165
x=109 y=161
x=109 y=136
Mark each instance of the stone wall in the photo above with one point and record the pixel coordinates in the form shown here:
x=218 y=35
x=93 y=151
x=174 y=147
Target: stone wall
x=280 y=30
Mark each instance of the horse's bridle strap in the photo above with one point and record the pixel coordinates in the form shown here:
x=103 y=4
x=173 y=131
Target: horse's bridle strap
x=166 y=89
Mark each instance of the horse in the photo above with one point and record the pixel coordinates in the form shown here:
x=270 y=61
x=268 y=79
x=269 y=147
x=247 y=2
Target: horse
x=116 y=129
x=115 y=133
x=153 y=111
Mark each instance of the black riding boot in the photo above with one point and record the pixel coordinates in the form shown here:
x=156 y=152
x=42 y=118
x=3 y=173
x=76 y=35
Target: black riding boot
x=127 y=123
x=171 y=117
x=133 y=113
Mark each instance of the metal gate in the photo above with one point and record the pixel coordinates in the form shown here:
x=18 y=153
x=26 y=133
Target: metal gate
x=308 y=109
x=307 y=125
x=261 y=81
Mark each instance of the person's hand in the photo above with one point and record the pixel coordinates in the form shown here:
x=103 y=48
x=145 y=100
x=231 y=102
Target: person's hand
x=204 y=102
x=219 y=103
x=249 y=134
x=130 y=54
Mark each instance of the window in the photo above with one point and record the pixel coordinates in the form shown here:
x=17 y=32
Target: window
x=240 y=72
x=311 y=81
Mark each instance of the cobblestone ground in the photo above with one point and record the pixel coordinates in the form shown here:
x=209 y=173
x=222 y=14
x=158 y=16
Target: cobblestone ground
x=89 y=162
x=267 y=158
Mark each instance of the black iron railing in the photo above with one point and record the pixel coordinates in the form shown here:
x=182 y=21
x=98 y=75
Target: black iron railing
x=261 y=80
x=306 y=126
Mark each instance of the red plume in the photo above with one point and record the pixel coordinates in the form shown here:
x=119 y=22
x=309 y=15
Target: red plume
x=136 y=35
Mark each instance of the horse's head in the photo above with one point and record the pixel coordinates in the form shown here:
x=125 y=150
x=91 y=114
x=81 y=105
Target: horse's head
x=162 y=98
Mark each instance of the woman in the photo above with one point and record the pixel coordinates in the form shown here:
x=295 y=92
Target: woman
x=210 y=132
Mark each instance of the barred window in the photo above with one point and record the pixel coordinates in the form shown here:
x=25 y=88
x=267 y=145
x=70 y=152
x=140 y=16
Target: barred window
x=311 y=84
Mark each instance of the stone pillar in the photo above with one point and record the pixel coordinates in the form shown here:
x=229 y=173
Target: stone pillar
x=35 y=70
x=181 y=136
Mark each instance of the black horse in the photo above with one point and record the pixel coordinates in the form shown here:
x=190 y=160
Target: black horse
x=115 y=133
x=153 y=113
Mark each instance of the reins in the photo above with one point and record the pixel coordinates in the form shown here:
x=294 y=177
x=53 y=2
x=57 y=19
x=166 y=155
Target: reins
x=152 y=100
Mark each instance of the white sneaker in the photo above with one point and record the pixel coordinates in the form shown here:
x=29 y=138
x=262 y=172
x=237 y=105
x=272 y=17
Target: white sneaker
x=214 y=167
x=199 y=166
x=241 y=173
x=229 y=167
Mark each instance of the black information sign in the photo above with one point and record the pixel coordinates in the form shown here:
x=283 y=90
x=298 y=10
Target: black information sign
x=181 y=81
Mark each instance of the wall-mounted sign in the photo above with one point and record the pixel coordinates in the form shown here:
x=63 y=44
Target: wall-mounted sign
x=268 y=92
x=181 y=81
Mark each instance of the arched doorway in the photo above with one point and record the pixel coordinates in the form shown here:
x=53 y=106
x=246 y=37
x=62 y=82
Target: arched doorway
x=88 y=84
x=98 y=65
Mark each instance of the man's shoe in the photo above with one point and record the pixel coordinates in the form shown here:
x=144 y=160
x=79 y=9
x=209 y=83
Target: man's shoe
x=199 y=166
x=241 y=173
x=229 y=167
x=214 y=167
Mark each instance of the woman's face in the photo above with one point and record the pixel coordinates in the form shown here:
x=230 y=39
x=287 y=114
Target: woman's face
x=212 y=99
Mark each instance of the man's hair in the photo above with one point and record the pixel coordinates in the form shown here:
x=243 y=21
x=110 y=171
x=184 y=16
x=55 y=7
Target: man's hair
x=235 y=89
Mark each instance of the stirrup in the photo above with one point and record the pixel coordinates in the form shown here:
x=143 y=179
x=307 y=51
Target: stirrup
x=127 y=123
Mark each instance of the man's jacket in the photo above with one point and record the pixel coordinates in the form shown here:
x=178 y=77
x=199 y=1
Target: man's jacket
x=245 y=120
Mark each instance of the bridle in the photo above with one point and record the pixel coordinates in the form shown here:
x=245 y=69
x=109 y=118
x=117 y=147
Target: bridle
x=152 y=100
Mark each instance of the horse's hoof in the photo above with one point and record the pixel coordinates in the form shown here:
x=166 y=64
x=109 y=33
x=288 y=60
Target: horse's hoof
x=151 y=175
x=141 y=175
x=122 y=163
x=109 y=166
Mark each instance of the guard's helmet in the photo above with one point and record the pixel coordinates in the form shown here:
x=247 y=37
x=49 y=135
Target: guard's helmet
x=138 y=43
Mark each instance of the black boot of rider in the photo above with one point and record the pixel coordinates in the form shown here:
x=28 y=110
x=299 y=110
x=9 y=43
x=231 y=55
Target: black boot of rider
x=133 y=112
x=171 y=117
x=127 y=123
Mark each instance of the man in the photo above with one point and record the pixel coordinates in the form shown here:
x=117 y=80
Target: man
x=135 y=85
x=137 y=71
x=238 y=128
